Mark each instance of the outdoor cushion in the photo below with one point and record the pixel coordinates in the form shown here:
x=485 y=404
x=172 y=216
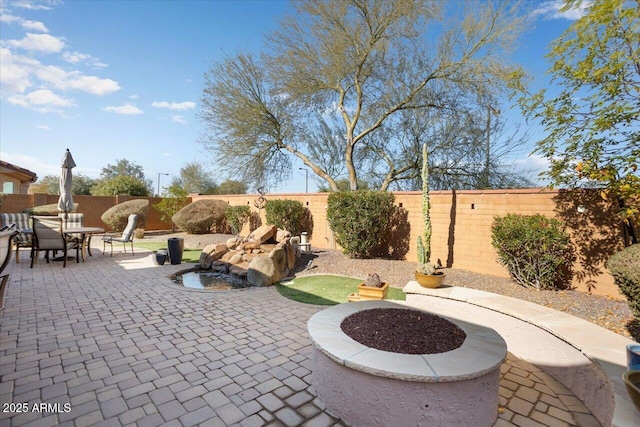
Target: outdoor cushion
x=21 y=221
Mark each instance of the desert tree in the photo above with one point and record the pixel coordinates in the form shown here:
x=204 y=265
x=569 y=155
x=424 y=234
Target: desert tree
x=339 y=73
x=590 y=113
x=193 y=178
x=50 y=184
x=123 y=167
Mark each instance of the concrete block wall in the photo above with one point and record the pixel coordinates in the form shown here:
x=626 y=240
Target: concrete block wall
x=462 y=222
x=91 y=206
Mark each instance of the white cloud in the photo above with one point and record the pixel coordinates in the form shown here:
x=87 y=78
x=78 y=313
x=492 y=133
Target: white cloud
x=34 y=5
x=34 y=26
x=551 y=10
x=174 y=105
x=43 y=127
x=26 y=24
x=93 y=85
x=134 y=96
x=39 y=42
x=9 y=19
x=126 y=109
x=32 y=163
x=42 y=100
x=41 y=97
x=64 y=80
x=15 y=71
x=76 y=57
x=178 y=119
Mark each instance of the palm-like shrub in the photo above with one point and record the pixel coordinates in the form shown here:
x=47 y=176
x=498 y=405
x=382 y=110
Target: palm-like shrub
x=202 y=217
x=535 y=249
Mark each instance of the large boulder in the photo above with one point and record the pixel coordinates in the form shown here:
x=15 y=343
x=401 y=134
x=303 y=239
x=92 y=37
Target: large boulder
x=282 y=235
x=237 y=258
x=233 y=242
x=262 y=271
x=279 y=257
x=262 y=234
x=212 y=253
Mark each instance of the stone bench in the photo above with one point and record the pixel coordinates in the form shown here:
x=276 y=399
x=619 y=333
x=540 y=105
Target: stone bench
x=597 y=383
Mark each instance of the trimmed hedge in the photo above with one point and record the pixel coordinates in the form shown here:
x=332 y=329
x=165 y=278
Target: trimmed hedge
x=625 y=268
x=47 y=210
x=237 y=217
x=202 y=217
x=286 y=214
x=359 y=220
x=535 y=249
x=116 y=217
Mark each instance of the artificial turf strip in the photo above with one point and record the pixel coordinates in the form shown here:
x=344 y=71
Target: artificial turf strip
x=326 y=289
x=188 y=255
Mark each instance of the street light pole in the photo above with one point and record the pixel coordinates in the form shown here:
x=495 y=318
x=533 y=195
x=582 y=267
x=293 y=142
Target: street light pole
x=306 y=179
x=486 y=181
x=159 y=182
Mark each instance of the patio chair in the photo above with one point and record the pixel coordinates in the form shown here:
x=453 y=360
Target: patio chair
x=72 y=220
x=48 y=236
x=124 y=238
x=6 y=237
x=20 y=222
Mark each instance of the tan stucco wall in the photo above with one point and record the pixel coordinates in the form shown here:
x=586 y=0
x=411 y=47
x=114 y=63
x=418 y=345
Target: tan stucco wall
x=462 y=227
x=461 y=224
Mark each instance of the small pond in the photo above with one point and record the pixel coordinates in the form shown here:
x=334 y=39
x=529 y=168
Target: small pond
x=206 y=279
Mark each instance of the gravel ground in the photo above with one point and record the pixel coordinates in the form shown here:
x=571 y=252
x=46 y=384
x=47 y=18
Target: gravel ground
x=607 y=312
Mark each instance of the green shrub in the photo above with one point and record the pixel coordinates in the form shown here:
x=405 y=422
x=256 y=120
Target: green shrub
x=116 y=217
x=359 y=219
x=535 y=249
x=237 y=217
x=121 y=185
x=202 y=217
x=625 y=268
x=175 y=200
x=286 y=214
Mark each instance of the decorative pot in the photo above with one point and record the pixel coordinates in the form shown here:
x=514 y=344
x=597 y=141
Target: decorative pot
x=430 y=280
x=372 y=293
x=159 y=258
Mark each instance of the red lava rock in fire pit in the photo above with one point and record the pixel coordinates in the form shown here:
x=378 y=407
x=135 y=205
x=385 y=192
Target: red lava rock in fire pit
x=403 y=331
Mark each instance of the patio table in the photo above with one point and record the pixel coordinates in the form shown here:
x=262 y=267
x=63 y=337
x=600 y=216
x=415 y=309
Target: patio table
x=86 y=233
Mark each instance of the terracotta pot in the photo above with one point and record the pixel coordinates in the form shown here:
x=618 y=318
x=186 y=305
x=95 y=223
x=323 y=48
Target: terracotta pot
x=429 y=280
x=370 y=293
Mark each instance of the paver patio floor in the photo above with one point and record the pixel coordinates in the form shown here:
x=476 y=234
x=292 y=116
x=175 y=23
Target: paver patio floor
x=115 y=339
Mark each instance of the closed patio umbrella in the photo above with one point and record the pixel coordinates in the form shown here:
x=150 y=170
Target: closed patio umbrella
x=65 y=202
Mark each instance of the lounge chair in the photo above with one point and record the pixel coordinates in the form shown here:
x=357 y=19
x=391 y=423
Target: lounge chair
x=48 y=236
x=124 y=238
x=6 y=237
x=20 y=222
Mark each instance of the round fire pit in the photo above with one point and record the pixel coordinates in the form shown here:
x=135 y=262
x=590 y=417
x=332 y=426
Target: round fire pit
x=367 y=386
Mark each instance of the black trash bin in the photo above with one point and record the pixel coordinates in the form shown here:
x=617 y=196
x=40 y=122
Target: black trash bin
x=176 y=247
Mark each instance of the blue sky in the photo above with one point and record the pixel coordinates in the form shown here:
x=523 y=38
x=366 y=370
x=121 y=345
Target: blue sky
x=122 y=79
